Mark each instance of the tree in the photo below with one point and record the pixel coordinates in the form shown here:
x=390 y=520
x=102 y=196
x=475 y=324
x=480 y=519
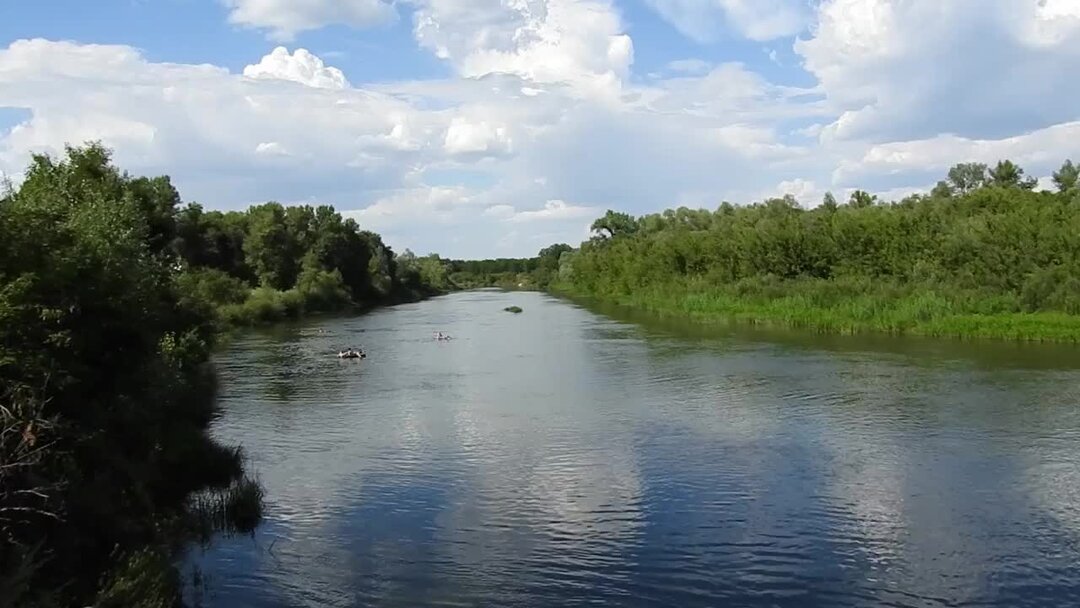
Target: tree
x=159 y=203
x=828 y=202
x=1006 y=174
x=548 y=258
x=1066 y=177
x=271 y=248
x=942 y=190
x=860 y=199
x=966 y=177
x=104 y=385
x=614 y=223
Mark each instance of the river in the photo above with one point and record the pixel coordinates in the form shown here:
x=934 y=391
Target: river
x=562 y=457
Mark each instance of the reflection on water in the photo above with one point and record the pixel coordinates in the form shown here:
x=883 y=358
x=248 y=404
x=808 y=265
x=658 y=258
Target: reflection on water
x=559 y=457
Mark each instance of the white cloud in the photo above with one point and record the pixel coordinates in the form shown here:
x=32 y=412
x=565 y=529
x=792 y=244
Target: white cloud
x=553 y=210
x=271 y=148
x=804 y=191
x=203 y=125
x=755 y=142
x=579 y=42
x=731 y=94
x=285 y=18
x=761 y=20
x=429 y=204
x=464 y=137
x=301 y=66
x=499 y=211
x=918 y=68
x=1039 y=152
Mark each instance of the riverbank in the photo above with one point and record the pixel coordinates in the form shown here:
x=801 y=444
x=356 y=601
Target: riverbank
x=820 y=307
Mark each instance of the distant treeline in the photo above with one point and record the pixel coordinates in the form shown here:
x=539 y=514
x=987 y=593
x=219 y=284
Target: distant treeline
x=112 y=293
x=509 y=273
x=983 y=254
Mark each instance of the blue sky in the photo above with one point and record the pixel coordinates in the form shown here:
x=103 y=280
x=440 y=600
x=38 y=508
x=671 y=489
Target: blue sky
x=494 y=127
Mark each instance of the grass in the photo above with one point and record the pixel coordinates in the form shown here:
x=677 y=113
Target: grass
x=237 y=508
x=849 y=308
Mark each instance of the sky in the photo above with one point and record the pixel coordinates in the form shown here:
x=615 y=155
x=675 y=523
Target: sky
x=485 y=128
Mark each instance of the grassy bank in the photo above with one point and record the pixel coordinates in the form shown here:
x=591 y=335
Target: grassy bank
x=234 y=304
x=983 y=255
x=829 y=307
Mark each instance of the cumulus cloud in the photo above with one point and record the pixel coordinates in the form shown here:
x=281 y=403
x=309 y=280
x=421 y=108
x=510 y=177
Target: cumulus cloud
x=804 y=191
x=919 y=68
x=283 y=19
x=580 y=42
x=301 y=66
x=465 y=137
x=755 y=142
x=439 y=204
x=1039 y=152
x=760 y=20
x=207 y=127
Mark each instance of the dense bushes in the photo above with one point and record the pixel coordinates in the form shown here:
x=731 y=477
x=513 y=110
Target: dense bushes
x=105 y=393
x=111 y=296
x=982 y=244
x=289 y=261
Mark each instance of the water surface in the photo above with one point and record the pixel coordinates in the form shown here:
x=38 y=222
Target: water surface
x=564 y=458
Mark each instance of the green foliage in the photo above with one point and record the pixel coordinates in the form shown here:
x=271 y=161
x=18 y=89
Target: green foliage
x=210 y=286
x=1067 y=177
x=105 y=395
x=614 y=223
x=271 y=247
x=506 y=273
x=301 y=259
x=1007 y=175
x=966 y=177
x=982 y=253
x=111 y=296
x=828 y=202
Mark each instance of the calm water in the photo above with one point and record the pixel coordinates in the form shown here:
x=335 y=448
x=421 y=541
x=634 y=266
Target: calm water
x=563 y=458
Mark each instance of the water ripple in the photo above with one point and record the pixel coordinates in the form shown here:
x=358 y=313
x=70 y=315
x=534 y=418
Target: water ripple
x=562 y=458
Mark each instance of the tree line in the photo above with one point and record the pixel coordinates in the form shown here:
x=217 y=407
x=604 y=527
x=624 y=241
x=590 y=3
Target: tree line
x=272 y=262
x=982 y=243
x=509 y=273
x=112 y=294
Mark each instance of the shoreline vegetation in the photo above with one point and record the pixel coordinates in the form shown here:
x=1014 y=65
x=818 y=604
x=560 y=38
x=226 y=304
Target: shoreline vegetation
x=982 y=255
x=113 y=294
x=912 y=315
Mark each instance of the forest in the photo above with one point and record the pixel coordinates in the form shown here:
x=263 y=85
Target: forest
x=981 y=255
x=508 y=273
x=112 y=296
